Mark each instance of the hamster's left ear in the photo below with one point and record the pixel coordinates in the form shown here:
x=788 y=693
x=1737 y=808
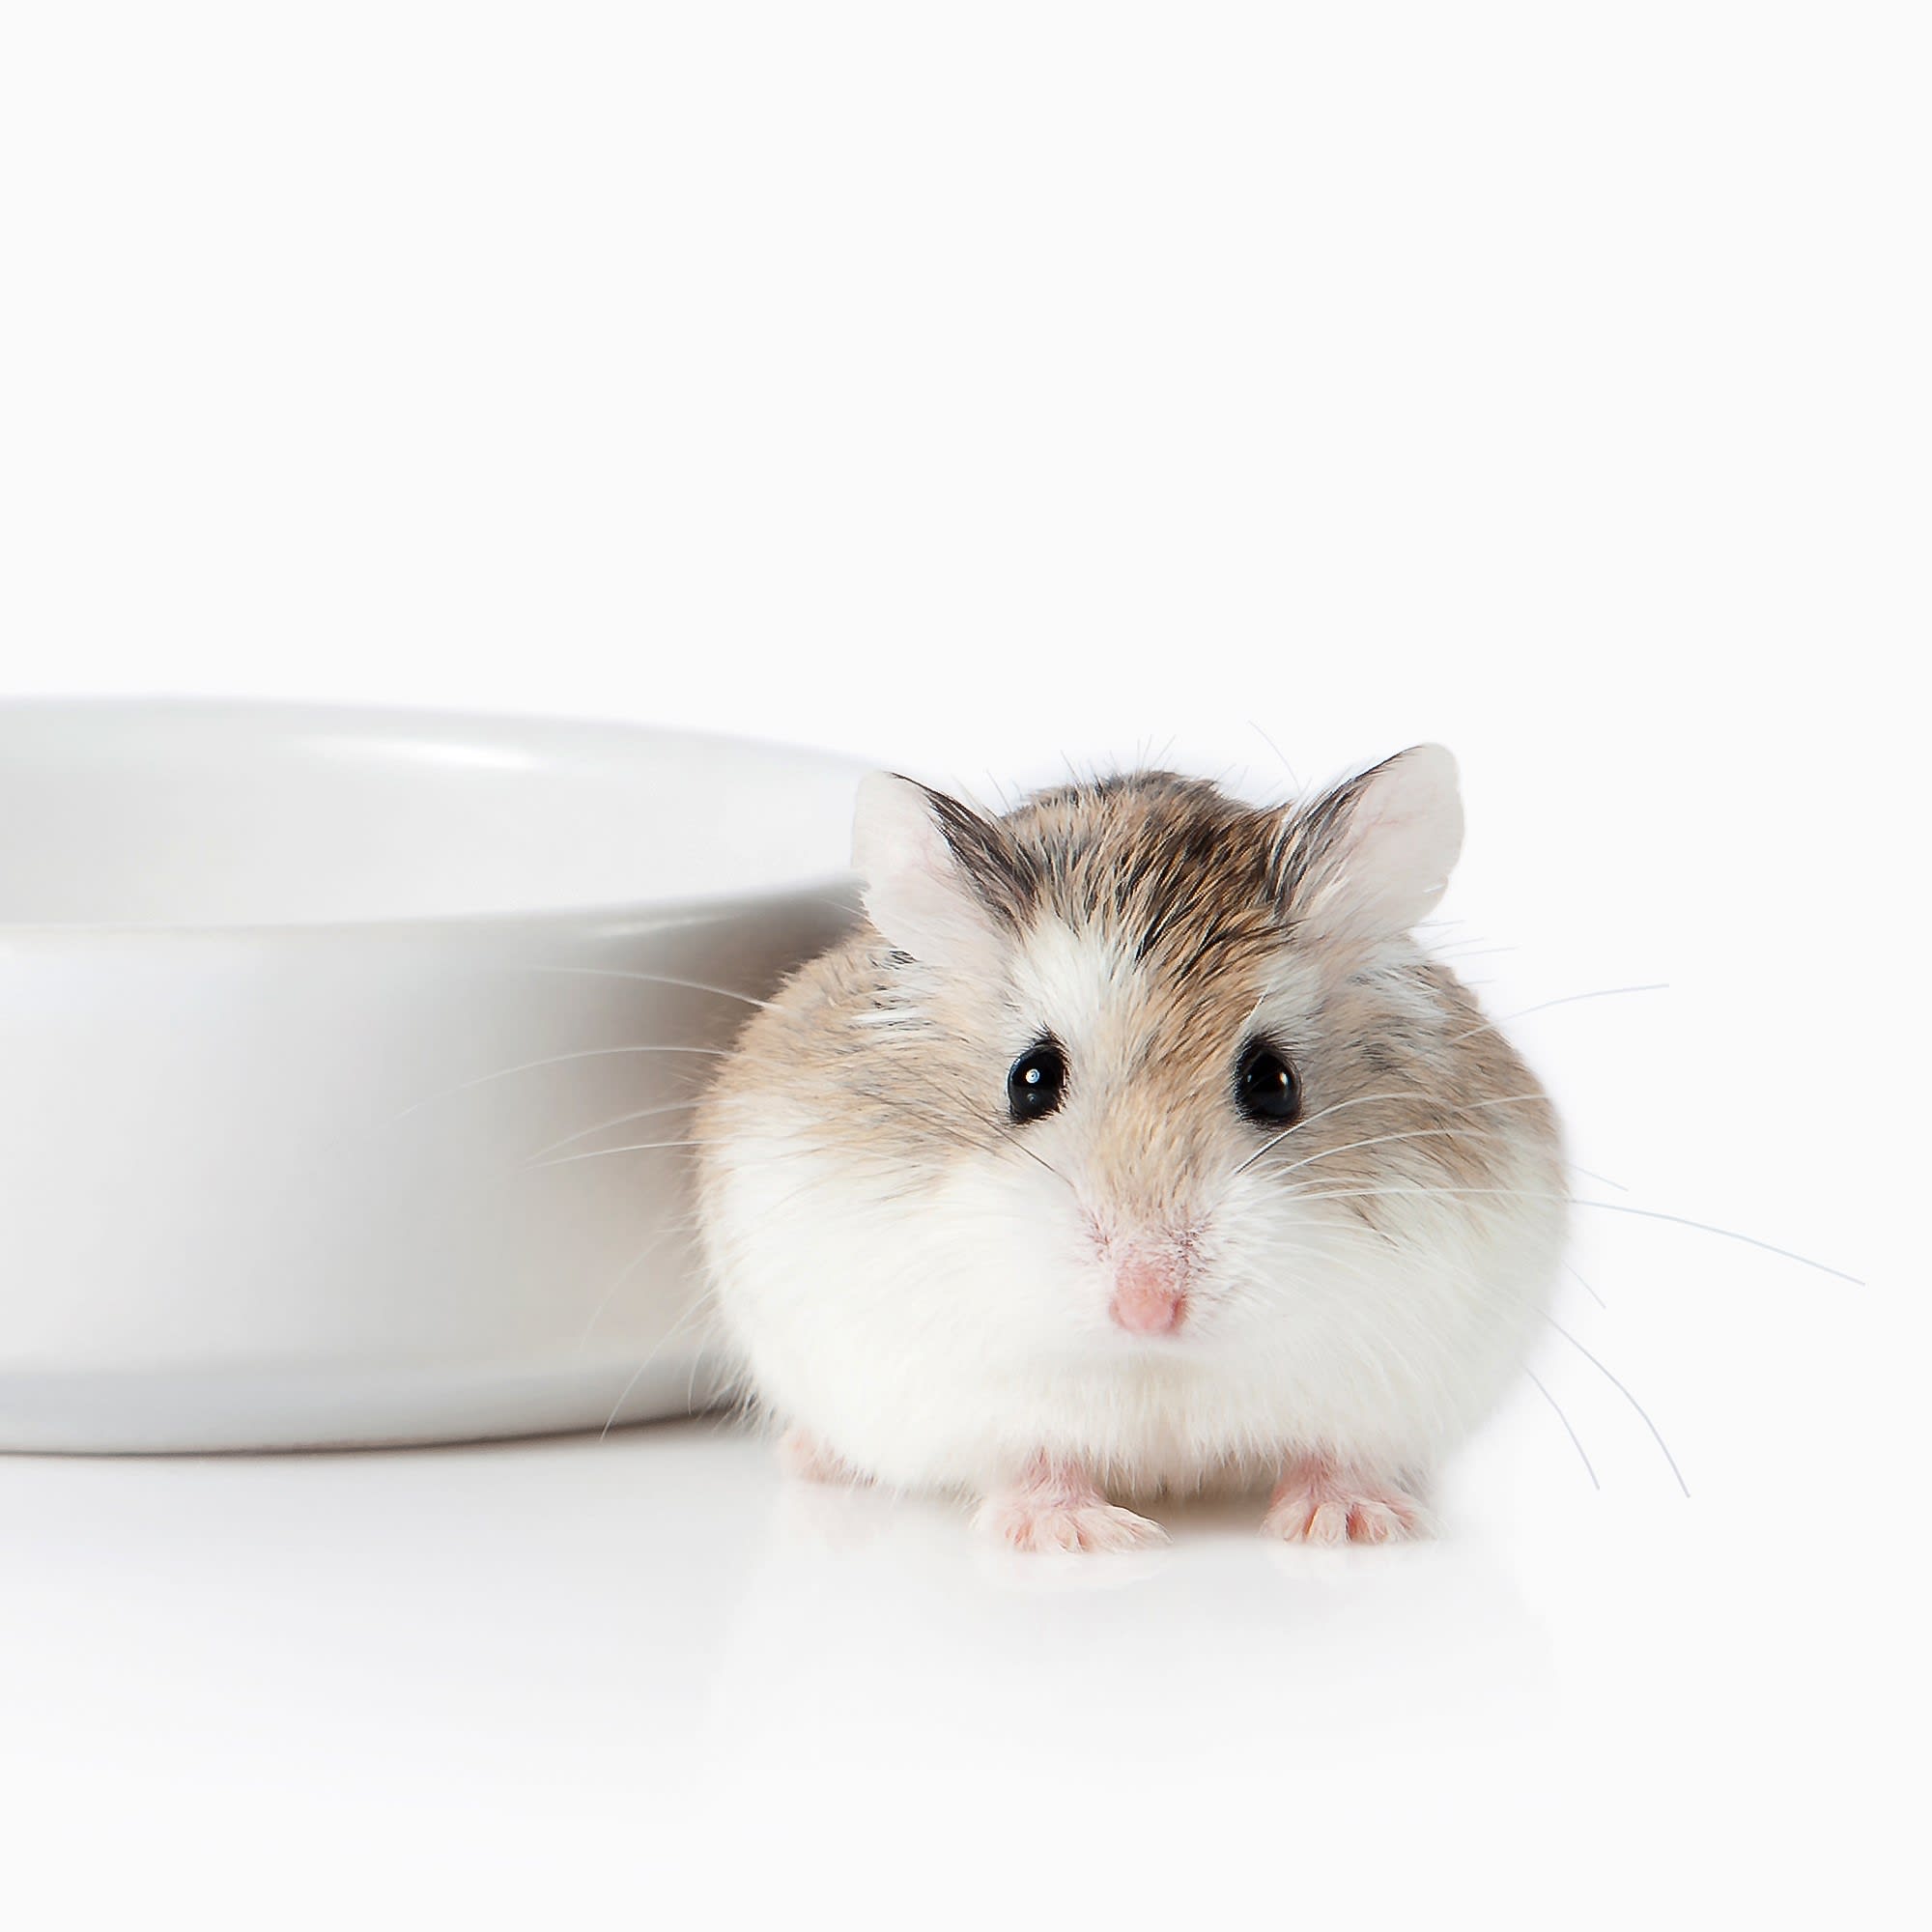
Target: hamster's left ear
x=935 y=873
x=1370 y=859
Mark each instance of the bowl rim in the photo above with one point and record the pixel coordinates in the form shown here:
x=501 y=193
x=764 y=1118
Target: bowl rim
x=642 y=913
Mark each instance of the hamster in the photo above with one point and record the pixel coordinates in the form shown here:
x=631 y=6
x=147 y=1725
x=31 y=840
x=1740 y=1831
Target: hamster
x=1134 y=1143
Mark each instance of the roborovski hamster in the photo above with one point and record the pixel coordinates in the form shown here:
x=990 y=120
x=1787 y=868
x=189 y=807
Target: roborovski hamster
x=1135 y=1142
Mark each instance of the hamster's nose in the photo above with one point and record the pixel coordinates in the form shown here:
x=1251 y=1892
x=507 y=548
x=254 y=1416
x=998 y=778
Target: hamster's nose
x=1150 y=1296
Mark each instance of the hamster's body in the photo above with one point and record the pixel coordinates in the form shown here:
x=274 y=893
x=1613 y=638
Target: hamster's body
x=1135 y=1144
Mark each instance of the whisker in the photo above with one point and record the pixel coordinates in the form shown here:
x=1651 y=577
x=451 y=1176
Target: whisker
x=1627 y=1396
x=649 y=980
x=1566 y=1428
x=675 y=1225
x=691 y=1380
x=633 y=1147
x=677 y=1327
x=832 y=1177
x=717 y=916
x=1363 y=1101
x=1609 y=1206
x=1568 y=1000
x=1339 y=1106
x=853 y=910
x=1384 y=1140
x=1022 y=1148
x=1585 y=1287
x=616 y=1120
x=1292 y=780
x=1439 y=1133
x=1469 y=949
x=1591 y=1174
x=554 y=1060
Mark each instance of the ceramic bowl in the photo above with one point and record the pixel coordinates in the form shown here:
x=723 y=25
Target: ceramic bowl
x=344 y=1056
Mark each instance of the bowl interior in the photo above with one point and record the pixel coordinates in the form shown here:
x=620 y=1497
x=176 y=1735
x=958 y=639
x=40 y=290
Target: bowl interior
x=166 y=815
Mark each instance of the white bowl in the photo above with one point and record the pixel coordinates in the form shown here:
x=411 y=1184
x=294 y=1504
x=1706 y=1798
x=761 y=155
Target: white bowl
x=317 y=1029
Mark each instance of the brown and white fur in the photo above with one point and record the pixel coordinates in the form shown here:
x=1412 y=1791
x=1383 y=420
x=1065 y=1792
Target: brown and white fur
x=1144 y=1291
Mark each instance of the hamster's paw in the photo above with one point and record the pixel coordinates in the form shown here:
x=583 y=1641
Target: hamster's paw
x=1054 y=1506
x=1023 y=1523
x=803 y=1456
x=1318 y=1501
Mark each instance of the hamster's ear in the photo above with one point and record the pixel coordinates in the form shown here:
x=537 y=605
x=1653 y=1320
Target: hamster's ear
x=1371 y=857
x=922 y=856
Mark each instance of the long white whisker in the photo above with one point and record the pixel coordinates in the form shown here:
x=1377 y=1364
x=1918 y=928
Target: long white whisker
x=696 y=1308
x=676 y=1224
x=633 y=1147
x=1568 y=1000
x=1609 y=1206
x=1339 y=1106
x=1627 y=1396
x=649 y=980
x=1377 y=1140
x=616 y=1120
x=554 y=1060
x=1292 y=780
x=1585 y=1287
x=1436 y=1133
x=1363 y=1101
x=1466 y=949
x=1565 y=1421
x=1383 y=1140
x=1591 y=1174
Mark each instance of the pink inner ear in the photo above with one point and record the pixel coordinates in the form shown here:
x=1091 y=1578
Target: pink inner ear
x=915 y=893
x=1399 y=845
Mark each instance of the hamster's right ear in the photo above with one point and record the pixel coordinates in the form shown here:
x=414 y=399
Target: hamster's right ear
x=1371 y=857
x=919 y=891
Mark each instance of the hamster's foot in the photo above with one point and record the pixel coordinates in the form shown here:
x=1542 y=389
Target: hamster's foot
x=1055 y=1506
x=1319 y=1501
x=802 y=1455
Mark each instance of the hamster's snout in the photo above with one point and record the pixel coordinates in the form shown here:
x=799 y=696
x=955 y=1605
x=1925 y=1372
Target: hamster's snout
x=1150 y=1292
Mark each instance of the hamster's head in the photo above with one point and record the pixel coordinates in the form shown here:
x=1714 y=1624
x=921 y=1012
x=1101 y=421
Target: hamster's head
x=1167 y=1059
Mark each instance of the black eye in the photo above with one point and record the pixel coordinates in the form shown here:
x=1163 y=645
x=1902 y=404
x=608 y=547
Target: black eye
x=1037 y=1082
x=1265 y=1089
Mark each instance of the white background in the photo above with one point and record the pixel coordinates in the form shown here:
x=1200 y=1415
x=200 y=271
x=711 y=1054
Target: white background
x=979 y=387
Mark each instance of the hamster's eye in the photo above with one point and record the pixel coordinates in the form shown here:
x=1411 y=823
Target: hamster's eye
x=1036 y=1081
x=1266 y=1087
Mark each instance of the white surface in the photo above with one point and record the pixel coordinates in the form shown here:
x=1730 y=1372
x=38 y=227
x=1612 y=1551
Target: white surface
x=579 y=1679
x=322 y=1028
x=964 y=387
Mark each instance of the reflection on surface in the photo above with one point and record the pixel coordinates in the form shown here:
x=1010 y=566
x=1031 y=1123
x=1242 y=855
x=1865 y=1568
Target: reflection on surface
x=577 y=1610
x=870 y=1623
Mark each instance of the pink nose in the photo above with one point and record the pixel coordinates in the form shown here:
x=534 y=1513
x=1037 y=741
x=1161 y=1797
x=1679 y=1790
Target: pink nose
x=1149 y=1297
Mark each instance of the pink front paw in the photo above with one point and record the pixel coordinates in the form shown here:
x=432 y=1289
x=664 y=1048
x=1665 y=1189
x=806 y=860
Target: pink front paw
x=1317 y=1501
x=1023 y=1523
x=1054 y=1506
